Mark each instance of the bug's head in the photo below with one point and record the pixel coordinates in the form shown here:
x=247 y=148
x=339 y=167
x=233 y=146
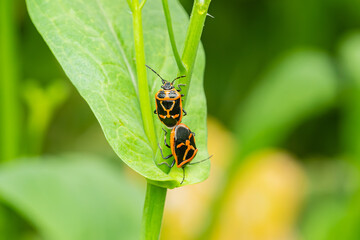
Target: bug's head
x=167 y=85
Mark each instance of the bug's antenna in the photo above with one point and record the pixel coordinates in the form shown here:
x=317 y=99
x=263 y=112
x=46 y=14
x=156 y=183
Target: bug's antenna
x=163 y=80
x=177 y=79
x=201 y=160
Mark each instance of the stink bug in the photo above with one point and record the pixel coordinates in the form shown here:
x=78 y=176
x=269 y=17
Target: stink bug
x=168 y=102
x=183 y=148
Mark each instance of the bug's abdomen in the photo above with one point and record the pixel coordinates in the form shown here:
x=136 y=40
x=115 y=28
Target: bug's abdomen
x=184 y=151
x=180 y=152
x=169 y=111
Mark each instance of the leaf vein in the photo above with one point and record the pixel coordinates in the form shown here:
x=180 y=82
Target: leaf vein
x=121 y=50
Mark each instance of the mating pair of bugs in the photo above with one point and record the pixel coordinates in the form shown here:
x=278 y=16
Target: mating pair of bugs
x=170 y=112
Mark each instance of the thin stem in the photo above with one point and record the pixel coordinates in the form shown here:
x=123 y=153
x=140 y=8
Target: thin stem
x=9 y=106
x=142 y=4
x=141 y=75
x=172 y=37
x=130 y=5
x=193 y=37
x=153 y=212
x=155 y=196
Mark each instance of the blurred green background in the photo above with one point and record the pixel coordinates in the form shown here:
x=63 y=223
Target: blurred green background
x=282 y=82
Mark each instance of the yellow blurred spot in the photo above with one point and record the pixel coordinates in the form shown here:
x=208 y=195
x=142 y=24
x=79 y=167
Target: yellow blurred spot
x=264 y=200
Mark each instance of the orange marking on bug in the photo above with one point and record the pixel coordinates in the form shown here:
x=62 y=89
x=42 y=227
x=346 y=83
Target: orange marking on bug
x=189 y=160
x=180 y=145
x=167 y=95
x=185 y=154
x=188 y=149
x=167 y=110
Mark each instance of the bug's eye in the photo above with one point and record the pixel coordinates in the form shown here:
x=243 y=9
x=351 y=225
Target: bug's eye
x=172 y=94
x=161 y=94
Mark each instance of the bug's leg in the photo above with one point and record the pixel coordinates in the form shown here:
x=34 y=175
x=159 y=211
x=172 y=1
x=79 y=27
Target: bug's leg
x=185 y=113
x=182 y=95
x=183 y=176
x=200 y=161
x=179 y=86
x=165 y=133
x=170 y=166
x=155 y=111
x=167 y=157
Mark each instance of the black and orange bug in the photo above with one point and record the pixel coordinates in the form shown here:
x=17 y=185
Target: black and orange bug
x=183 y=147
x=168 y=102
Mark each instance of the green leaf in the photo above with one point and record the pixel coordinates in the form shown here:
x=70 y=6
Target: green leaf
x=42 y=103
x=349 y=59
x=93 y=42
x=332 y=208
x=67 y=198
x=299 y=85
x=323 y=217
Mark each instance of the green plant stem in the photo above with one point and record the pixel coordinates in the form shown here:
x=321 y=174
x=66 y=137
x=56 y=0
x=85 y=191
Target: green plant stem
x=141 y=75
x=155 y=196
x=130 y=4
x=172 y=37
x=192 y=41
x=153 y=212
x=9 y=106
